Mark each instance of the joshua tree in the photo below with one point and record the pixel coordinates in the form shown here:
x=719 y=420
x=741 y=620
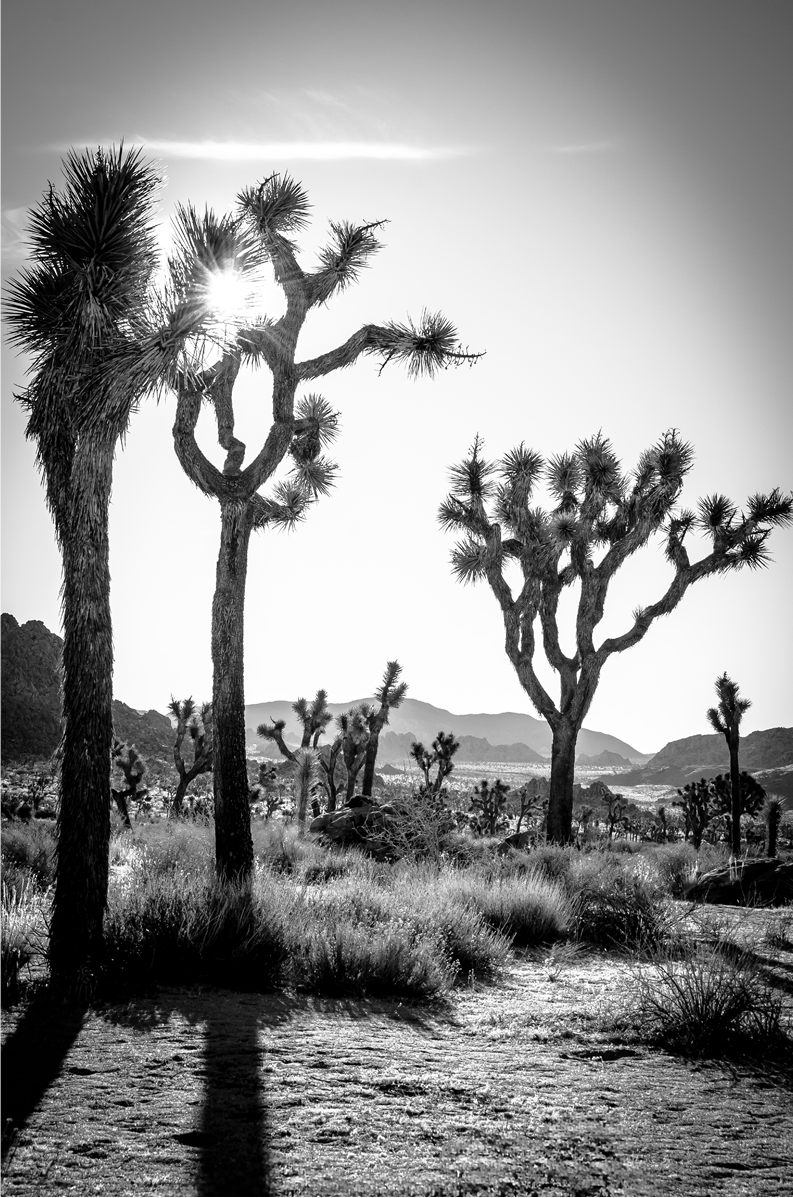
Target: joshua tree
x=197 y=722
x=751 y=797
x=616 y=808
x=314 y=718
x=773 y=818
x=599 y=518
x=444 y=748
x=490 y=802
x=214 y=255
x=127 y=759
x=95 y=253
x=389 y=695
x=726 y=719
x=526 y=800
x=353 y=727
x=306 y=775
x=327 y=764
x=696 y=803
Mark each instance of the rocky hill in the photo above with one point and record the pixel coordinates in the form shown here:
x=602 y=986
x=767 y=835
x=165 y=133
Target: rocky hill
x=758 y=750
x=31 y=699
x=31 y=681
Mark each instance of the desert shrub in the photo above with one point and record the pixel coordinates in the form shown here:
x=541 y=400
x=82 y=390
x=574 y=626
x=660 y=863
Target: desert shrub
x=528 y=909
x=419 y=828
x=23 y=937
x=553 y=860
x=183 y=929
x=675 y=865
x=711 y=1004
x=337 y=956
x=619 y=909
x=29 y=849
x=623 y=846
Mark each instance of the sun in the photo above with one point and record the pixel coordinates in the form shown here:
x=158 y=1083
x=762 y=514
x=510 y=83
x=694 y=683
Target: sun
x=228 y=296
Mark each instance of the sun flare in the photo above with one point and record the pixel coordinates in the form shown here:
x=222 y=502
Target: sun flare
x=229 y=296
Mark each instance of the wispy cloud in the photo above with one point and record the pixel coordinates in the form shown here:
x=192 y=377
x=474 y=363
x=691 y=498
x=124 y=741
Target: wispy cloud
x=587 y=147
x=15 y=238
x=321 y=151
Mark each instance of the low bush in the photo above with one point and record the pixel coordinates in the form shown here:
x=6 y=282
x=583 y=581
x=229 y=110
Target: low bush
x=527 y=909
x=28 y=851
x=711 y=1004
x=621 y=910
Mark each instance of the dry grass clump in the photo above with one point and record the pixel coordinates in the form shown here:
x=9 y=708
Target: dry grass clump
x=25 y=910
x=713 y=1003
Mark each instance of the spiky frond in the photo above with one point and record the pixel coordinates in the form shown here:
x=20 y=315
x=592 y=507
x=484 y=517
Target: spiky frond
x=313 y=414
x=94 y=250
x=715 y=513
x=348 y=254
x=453 y=515
x=564 y=475
x=425 y=348
x=313 y=477
x=469 y=560
x=600 y=468
x=278 y=204
x=774 y=508
x=473 y=478
x=284 y=509
x=751 y=551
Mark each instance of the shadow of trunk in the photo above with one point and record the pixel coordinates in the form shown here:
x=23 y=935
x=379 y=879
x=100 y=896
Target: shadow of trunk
x=32 y=1058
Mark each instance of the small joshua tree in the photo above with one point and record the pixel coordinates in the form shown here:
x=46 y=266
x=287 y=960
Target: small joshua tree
x=490 y=802
x=726 y=719
x=353 y=727
x=526 y=800
x=197 y=723
x=696 y=803
x=127 y=759
x=328 y=765
x=616 y=808
x=773 y=818
x=751 y=797
x=599 y=517
x=389 y=695
x=306 y=776
x=444 y=748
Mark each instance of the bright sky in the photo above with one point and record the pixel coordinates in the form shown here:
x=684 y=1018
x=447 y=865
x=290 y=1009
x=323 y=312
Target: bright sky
x=596 y=192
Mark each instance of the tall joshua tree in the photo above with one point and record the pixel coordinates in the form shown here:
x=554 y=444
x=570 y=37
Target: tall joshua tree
x=599 y=517
x=726 y=719
x=94 y=254
x=389 y=696
x=214 y=255
x=314 y=718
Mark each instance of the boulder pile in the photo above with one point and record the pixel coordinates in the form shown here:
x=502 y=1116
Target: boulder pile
x=763 y=880
x=361 y=822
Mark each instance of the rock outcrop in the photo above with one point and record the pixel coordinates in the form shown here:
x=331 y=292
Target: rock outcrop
x=764 y=880
x=362 y=823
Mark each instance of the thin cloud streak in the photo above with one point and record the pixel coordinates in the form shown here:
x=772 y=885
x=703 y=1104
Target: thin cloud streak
x=587 y=147
x=237 y=151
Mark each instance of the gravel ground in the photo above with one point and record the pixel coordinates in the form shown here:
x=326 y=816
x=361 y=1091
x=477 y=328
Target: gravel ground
x=515 y=1089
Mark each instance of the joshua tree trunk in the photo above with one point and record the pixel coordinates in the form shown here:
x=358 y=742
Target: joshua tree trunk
x=179 y=794
x=735 y=787
x=369 y=763
x=560 y=801
x=84 y=819
x=233 y=842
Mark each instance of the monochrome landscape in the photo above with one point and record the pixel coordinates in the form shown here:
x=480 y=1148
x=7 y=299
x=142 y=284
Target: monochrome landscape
x=397 y=738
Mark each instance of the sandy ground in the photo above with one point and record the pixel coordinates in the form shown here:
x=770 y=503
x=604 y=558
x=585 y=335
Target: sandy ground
x=514 y=1089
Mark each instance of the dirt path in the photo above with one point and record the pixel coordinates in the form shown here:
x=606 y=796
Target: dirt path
x=512 y=1090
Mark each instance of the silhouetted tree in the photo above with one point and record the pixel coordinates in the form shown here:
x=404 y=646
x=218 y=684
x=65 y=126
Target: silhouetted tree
x=215 y=251
x=773 y=818
x=726 y=719
x=490 y=802
x=596 y=509
x=696 y=803
x=127 y=759
x=444 y=748
x=94 y=254
x=197 y=723
x=354 y=730
x=389 y=695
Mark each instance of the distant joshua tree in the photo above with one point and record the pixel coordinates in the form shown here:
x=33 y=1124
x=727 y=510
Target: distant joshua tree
x=197 y=723
x=444 y=748
x=389 y=696
x=127 y=759
x=726 y=719
x=490 y=802
x=597 y=510
x=353 y=727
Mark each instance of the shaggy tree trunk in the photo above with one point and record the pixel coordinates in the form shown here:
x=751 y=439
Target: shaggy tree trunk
x=369 y=763
x=735 y=787
x=84 y=821
x=560 y=801
x=179 y=794
x=233 y=842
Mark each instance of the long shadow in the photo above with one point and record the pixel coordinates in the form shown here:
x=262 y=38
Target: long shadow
x=32 y=1058
x=233 y=1134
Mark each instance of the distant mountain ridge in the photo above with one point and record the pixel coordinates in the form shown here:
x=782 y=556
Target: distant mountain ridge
x=423 y=721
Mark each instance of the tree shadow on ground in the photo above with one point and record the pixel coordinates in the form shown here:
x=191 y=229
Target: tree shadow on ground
x=32 y=1058
x=233 y=1133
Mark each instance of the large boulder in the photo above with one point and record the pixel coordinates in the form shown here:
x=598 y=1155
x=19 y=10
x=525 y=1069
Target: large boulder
x=360 y=822
x=762 y=880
